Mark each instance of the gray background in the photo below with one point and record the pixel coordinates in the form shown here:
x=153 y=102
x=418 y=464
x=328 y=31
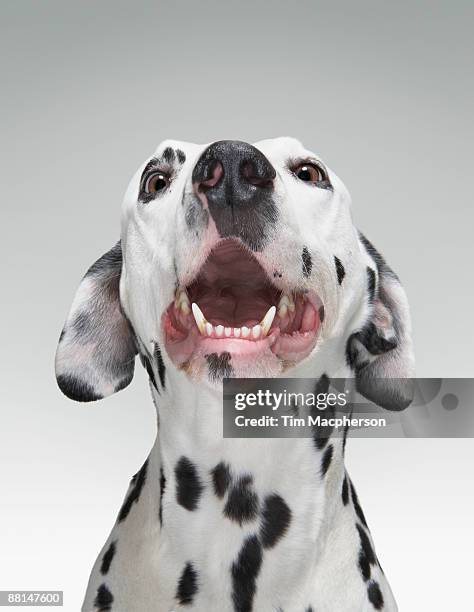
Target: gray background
x=383 y=91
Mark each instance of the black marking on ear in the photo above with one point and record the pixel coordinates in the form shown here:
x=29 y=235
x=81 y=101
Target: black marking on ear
x=103 y=600
x=276 y=518
x=357 y=507
x=326 y=460
x=242 y=501
x=181 y=156
x=345 y=491
x=168 y=155
x=187 y=585
x=366 y=546
x=188 y=484
x=107 y=558
x=379 y=260
x=162 y=492
x=371 y=283
x=219 y=366
x=244 y=573
x=364 y=566
x=340 y=271
x=372 y=341
x=160 y=364
x=375 y=595
x=147 y=365
x=76 y=389
x=134 y=495
x=322 y=433
x=306 y=262
x=221 y=479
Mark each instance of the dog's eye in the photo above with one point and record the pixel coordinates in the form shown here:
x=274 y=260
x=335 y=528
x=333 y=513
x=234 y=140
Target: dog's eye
x=158 y=181
x=309 y=173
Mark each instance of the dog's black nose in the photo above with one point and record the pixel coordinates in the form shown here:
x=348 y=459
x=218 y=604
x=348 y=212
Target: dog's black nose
x=236 y=180
x=232 y=173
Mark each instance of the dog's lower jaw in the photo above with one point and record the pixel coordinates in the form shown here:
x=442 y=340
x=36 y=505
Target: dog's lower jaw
x=234 y=525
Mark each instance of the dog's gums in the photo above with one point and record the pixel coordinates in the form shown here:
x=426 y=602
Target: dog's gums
x=232 y=306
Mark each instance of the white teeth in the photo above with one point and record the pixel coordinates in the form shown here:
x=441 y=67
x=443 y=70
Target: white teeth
x=256 y=331
x=285 y=304
x=267 y=320
x=199 y=318
x=236 y=332
x=209 y=329
x=245 y=331
x=228 y=331
x=219 y=330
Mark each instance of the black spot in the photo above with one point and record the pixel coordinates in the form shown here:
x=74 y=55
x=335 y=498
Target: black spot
x=309 y=609
x=357 y=508
x=219 y=366
x=306 y=262
x=322 y=432
x=160 y=364
x=244 y=574
x=344 y=436
x=181 y=156
x=221 y=479
x=188 y=484
x=372 y=341
x=371 y=283
x=107 y=558
x=147 y=365
x=187 y=585
x=137 y=485
x=340 y=271
x=104 y=599
x=345 y=491
x=364 y=566
x=168 y=155
x=321 y=314
x=326 y=460
x=242 y=501
x=375 y=595
x=276 y=518
x=162 y=492
x=63 y=333
x=76 y=389
x=366 y=546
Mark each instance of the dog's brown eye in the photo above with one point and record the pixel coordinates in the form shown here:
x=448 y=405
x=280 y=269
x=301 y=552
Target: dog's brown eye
x=309 y=173
x=157 y=182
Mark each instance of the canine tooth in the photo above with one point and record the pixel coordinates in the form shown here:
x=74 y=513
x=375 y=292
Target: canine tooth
x=256 y=331
x=227 y=331
x=209 y=328
x=219 y=330
x=267 y=320
x=199 y=318
x=237 y=332
x=245 y=331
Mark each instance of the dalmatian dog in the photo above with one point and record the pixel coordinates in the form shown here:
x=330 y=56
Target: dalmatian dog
x=237 y=260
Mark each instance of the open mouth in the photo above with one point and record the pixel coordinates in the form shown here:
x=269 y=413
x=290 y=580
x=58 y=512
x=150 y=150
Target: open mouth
x=233 y=306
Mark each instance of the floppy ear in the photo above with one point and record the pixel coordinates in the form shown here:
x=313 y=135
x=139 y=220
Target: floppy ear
x=96 y=351
x=381 y=353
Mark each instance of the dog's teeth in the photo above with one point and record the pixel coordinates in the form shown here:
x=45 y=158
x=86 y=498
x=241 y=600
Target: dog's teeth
x=267 y=320
x=245 y=331
x=209 y=329
x=199 y=318
x=219 y=330
x=237 y=332
x=285 y=304
x=228 y=331
x=183 y=302
x=256 y=331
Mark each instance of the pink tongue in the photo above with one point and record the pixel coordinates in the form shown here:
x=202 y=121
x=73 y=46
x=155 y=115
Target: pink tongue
x=232 y=310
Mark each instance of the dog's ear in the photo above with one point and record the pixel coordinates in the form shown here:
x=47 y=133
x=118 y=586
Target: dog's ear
x=381 y=353
x=96 y=351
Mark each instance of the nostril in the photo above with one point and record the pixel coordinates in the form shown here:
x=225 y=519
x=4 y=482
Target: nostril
x=214 y=172
x=255 y=176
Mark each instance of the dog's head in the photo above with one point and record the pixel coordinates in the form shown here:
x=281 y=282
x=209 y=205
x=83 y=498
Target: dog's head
x=235 y=260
